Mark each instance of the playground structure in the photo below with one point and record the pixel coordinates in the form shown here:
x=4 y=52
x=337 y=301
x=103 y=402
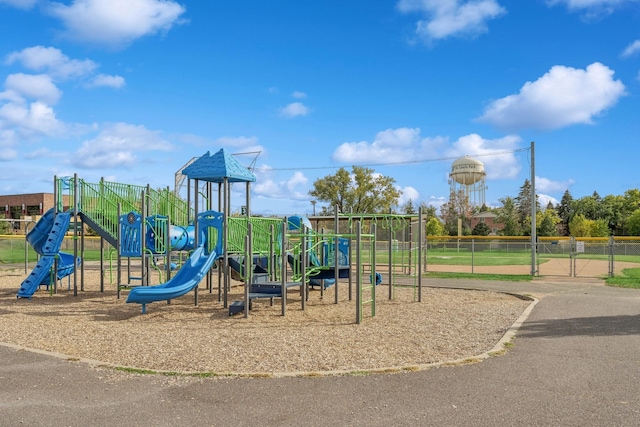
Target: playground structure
x=163 y=232
x=46 y=238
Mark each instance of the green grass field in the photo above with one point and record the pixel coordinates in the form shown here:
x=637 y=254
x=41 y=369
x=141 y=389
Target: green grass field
x=12 y=251
x=630 y=279
x=485 y=258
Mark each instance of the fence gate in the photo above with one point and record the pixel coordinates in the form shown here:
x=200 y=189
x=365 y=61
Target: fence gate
x=582 y=257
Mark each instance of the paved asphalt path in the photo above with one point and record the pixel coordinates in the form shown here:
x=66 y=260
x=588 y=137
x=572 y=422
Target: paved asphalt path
x=575 y=362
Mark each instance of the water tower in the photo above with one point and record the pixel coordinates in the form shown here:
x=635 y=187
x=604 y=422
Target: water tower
x=467 y=174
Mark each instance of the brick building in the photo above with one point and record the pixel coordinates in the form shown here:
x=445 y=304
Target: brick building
x=489 y=219
x=24 y=208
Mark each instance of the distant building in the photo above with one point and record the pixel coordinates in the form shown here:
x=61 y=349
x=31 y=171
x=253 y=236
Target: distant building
x=488 y=218
x=24 y=208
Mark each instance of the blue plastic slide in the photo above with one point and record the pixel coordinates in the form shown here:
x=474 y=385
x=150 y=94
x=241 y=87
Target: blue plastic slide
x=186 y=279
x=40 y=273
x=46 y=239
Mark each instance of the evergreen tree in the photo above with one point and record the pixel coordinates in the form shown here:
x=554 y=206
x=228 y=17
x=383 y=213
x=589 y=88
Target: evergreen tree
x=547 y=223
x=408 y=208
x=507 y=215
x=481 y=229
x=523 y=205
x=428 y=211
x=565 y=212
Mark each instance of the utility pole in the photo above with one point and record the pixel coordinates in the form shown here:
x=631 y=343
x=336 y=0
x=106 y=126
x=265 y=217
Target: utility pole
x=533 y=210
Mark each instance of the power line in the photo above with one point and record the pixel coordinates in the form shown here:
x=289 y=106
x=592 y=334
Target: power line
x=406 y=162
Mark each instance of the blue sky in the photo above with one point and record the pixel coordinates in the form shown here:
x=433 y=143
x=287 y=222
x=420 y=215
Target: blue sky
x=131 y=90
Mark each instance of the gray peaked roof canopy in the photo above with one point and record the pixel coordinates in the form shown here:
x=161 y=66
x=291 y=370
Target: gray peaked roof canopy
x=218 y=167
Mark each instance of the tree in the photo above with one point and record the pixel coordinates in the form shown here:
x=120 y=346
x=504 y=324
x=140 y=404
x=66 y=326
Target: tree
x=633 y=223
x=434 y=227
x=580 y=226
x=588 y=206
x=428 y=211
x=523 y=205
x=630 y=204
x=600 y=228
x=408 y=208
x=507 y=215
x=457 y=207
x=631 y=201
x=613 y=213
x=547 y=222
x=362 y=191
x=565 y=212
x=481 y=229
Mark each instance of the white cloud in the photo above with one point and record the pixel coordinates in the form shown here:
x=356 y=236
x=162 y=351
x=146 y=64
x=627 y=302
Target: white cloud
x=445 y=18
x=293 y=110
x=548 y=186
x=497 y=155
x=20 y=4
x=590 y=4
x=564 y=96
x=593 y=9
x=44 y=153
x=26 y=104
x=437 y=201
x=408 y=193
x=296 y=180
x=7 y=140
x=59 y=66
x=29 y=121
x=7 y=154
x=299 y=95
x=544 y=200
x=632 y=49
x=116 y=22
x=294 y=187
x=39 y=87
x=52 y=61
x=244 y=143
x=12 y=96
x=389 y=146
x=117 y=146
x=115 y=82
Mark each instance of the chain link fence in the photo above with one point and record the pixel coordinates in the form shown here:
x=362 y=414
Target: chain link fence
x=557 y=256
x=399 y=248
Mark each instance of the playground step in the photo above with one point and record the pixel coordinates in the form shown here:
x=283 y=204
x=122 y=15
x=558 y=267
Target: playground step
x=330 y=273
x=237 y=306
x=321 y=282
x=271 y=287
x=260 y=277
